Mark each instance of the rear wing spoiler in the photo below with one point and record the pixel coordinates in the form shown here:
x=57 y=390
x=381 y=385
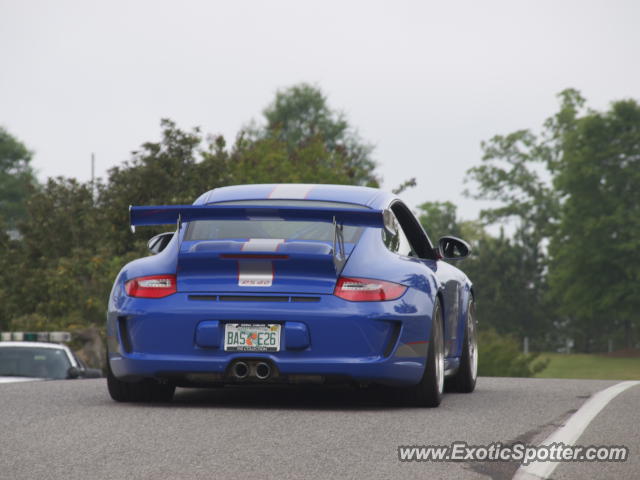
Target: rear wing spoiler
x=176 y=214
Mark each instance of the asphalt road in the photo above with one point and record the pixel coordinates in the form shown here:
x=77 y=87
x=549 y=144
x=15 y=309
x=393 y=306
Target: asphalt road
x=72 y=429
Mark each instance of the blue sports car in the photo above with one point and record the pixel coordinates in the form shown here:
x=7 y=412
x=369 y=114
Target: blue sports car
x=290 y=284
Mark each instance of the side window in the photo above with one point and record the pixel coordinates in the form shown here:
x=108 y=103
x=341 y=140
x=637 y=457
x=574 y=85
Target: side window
x=396 y=241
x=414 y=236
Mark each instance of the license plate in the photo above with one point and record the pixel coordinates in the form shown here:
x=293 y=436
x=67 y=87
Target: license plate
x=251 y=337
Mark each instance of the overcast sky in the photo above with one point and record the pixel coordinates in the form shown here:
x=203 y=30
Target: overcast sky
x=423 y=81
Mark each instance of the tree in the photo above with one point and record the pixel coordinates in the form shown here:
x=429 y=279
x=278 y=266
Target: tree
x=270 y=160
x=514 y=176
x=60 y=217
x=16 y=178
x=578 y=231
x=300 y=116
x=500 y=270
x=595 y=252
x=507 y=297
x=175 y=170
x=509 y=175
x=407 y=184
x=62 y=268
x=439 y=219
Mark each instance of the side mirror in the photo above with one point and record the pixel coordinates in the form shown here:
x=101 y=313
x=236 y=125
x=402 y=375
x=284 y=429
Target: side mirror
x=159 y=242
x=453 y=248
x=92 y=373
x=73 y=372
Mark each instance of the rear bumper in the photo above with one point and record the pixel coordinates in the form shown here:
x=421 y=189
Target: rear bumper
x=382 y=342
x=388 y=371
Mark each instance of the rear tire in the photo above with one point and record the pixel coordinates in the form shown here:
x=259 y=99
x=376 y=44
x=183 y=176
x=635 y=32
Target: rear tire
x=147 y=390
x=465 y=379
x=428 y=393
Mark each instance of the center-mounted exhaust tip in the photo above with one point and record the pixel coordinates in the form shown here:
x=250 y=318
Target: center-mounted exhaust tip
x=240 y=370
x=263 y=370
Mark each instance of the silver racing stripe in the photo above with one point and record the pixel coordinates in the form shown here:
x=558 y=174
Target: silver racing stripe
x=291 y=192
x=262 y=244
x=255 y=273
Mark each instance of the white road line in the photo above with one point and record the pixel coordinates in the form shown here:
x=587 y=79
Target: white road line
x=572 y=429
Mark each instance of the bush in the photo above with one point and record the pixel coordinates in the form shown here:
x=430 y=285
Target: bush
x=500 y=356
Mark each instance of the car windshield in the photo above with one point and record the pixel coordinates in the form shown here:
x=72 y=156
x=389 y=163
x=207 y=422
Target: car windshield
x=272 y=228
x=37 y=362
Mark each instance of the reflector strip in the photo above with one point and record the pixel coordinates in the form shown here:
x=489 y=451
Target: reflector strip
x=255 y=273
x=291 y=192
x=412 y=349
x=35 y=336
x=253 y=256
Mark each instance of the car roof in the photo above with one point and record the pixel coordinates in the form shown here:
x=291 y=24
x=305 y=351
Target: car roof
x=34 y=344
x=366 y=196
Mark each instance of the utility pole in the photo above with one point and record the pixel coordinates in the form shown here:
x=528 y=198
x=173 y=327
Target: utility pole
x=93 y=175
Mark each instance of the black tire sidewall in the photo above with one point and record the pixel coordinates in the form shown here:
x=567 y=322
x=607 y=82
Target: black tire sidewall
x=427 y=392
x=146 y=390
x=465 y=382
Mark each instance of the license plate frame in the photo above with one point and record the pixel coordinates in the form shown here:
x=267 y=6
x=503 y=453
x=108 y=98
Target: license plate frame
x=252 y=337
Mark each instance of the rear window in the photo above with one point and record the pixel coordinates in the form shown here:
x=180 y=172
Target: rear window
x=271 y=228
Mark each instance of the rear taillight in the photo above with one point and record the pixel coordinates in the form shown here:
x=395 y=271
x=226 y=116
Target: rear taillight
x=367 y=290
x=153 y=286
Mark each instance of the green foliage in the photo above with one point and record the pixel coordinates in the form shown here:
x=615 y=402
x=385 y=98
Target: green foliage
x=574 y=192
x=31 y=322
x=500 y=356
x=500 y=269
x=61 y=217
x=300 y=116
x=16 y=178
x=175 y=170
x=513 y=271
x=269 y=160
x=508 y=300
x=409 y=183
x=439 y=219
x=595 y=251
x=509 y=175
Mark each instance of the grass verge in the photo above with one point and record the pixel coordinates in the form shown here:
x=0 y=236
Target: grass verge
x=600 y=367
